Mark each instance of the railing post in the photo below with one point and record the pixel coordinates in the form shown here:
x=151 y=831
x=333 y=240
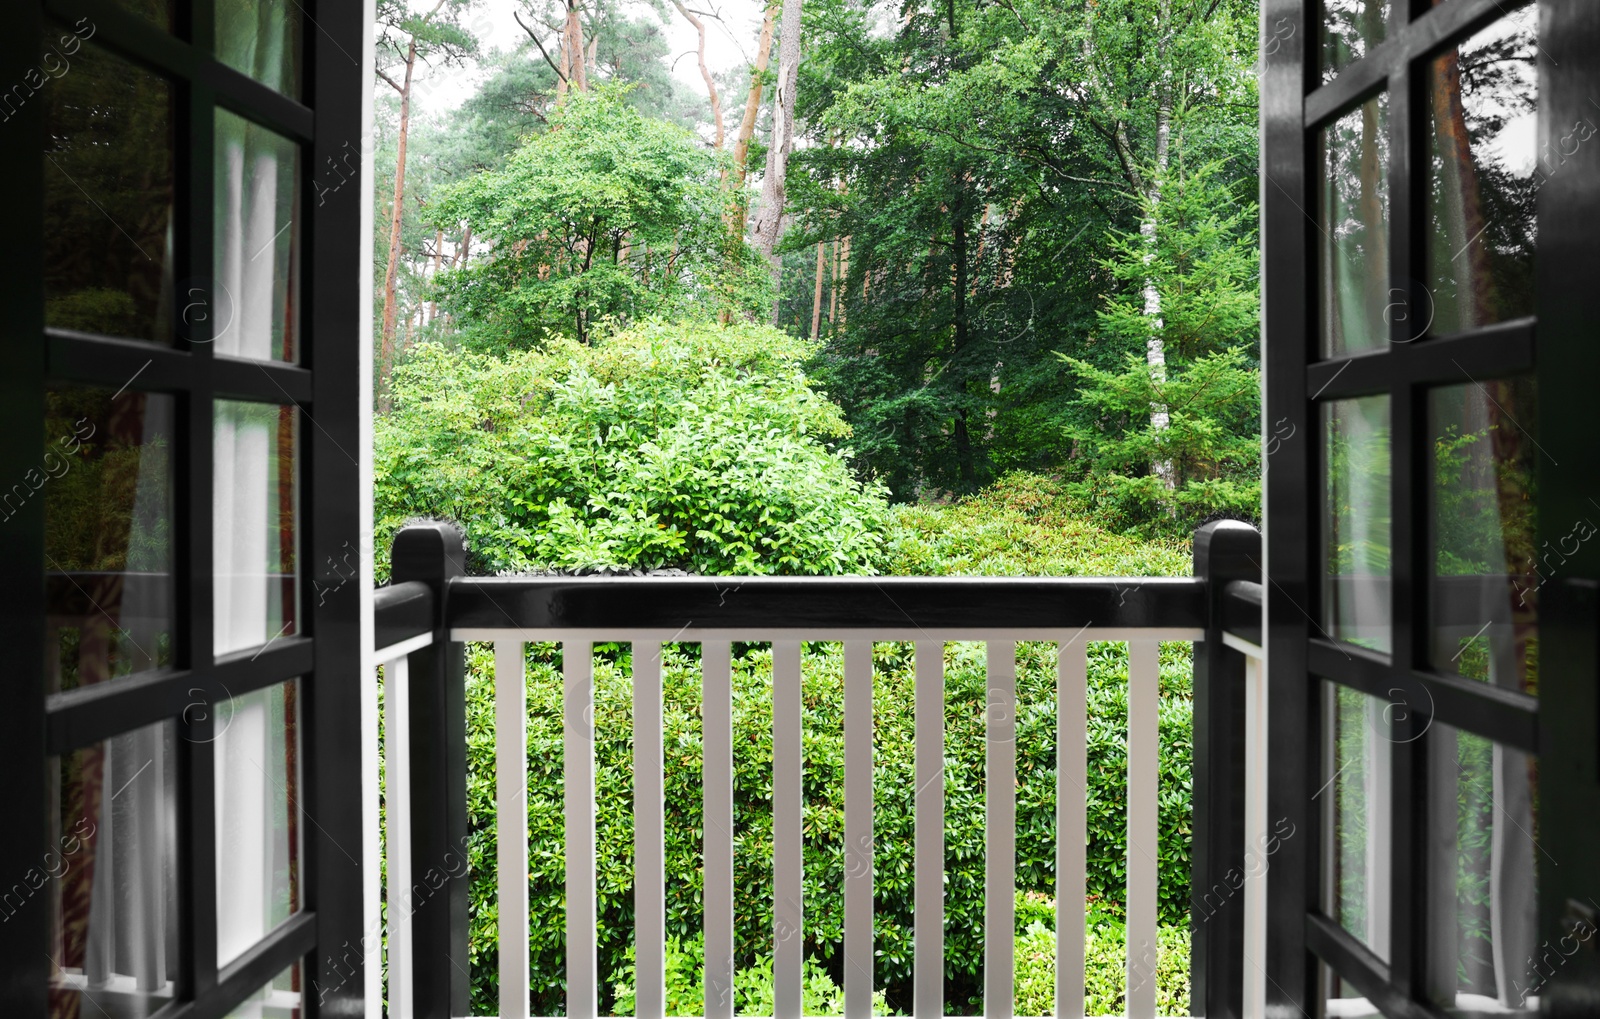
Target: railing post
x=434 y=553
x=1224 y=551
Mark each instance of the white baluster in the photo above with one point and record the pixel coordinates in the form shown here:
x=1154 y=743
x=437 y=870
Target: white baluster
x=397 y=836
x=511 y=824
x=928 y=992
x=578 y=780
x=858 y=941
x=1000 y=830
x=649 y=836
x=716 y=717
x=1072 y=777
x=1144 y=773
x=788 y=912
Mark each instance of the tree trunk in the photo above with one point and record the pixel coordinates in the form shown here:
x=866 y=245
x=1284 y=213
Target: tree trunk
x=705 y=72
x=965 y=461
x=752 y=107
x=396 y=215
x=816 y=298
x=768 y=227
x=438 y=260
x=1155 y=345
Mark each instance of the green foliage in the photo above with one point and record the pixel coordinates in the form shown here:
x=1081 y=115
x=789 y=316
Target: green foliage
x=753 y=985
x=606 y=215
x=823 y=750
x=695 y=446
x=1023 y=525
x=1105 y=974
x=1211 y=439
x=1200 y=262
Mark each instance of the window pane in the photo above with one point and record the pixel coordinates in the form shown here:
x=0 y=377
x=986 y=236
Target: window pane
x=279 y=999
x=258 y=816
x=257 y=242
x=1354 y=244
x=158 y=11
x=1486 y=172
x=1350 y=29
x=255 y=535
x=1355 y=586
x=106 y=479
x=1485 y=589
x=1487 y=863
x=108 y=193
x=261 y=38
x=1357 y=761
x=110 y=877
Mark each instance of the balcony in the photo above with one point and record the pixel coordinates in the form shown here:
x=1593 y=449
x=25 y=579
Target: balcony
x=423 y=618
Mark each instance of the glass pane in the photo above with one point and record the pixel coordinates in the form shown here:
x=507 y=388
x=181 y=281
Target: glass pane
x=1350 y=30
x=258 y=816
x=1357 y=762
x=108 y=193
x=279 y=999
x=1485 y=589
x=106 y=476
x=1355 y=538
x=255 y=524
x=256 y=304
x=1342 y=1000
x=158 y=11
x=1354 y=244
x=1486 y=820
x=1486 y=172
x=261 y=38
x=110 y=874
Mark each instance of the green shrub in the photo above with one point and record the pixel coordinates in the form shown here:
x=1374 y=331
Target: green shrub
x=684 y=445
x=1105 y=974
x=1024 y=525
x=822 y=692
x=753 y=985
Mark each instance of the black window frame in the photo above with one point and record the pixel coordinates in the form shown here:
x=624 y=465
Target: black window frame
x=328 y=385
x=1561 y=725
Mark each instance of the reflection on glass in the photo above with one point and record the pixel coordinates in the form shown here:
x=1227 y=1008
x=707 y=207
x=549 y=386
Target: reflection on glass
x=261 y=38
x=109 y=878
x=1354 y=245
x=158 y=11
x=106 y=480
x=1357 y=761
x=258 y=816
x=255 y=304
x=1485 y=864
x=107 y=192
x=1485 y=174
x=255 y=503
x=279 y=999
x=1355 y=529
x=1350 y=29
x=1488 y=569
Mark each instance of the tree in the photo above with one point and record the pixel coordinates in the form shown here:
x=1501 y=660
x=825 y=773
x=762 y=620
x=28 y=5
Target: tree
x=407 y=37
x=608 y=214
x=1203 y=457
x=768 y=226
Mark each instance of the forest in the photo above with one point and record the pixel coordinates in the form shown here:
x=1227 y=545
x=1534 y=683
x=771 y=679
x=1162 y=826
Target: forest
x=1002 y=237
x=917 y=288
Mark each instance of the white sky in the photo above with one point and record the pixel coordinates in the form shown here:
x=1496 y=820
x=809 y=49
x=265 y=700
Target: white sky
x=445 y=88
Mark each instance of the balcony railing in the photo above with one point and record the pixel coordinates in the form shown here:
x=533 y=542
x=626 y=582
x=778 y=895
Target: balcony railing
x=423 y=617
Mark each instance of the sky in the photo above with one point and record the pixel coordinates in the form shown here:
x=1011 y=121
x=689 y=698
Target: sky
x=442 y=89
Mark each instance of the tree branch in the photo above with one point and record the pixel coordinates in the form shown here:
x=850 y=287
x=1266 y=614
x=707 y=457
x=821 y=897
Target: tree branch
x=539 y=44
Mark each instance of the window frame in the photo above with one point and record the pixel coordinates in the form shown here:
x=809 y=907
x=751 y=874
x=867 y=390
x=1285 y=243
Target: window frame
x=331 y=387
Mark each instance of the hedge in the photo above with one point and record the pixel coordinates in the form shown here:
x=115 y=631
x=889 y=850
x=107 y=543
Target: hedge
x=822 y=689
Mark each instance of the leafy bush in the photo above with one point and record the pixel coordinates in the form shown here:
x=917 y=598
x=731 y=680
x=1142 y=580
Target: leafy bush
x=665 y=445
x=824 y=807
x=1023 y=525
x=1105 y=974
x=753 y=985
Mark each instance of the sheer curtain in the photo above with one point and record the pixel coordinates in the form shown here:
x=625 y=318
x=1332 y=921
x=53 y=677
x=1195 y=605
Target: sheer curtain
x=255 y=494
